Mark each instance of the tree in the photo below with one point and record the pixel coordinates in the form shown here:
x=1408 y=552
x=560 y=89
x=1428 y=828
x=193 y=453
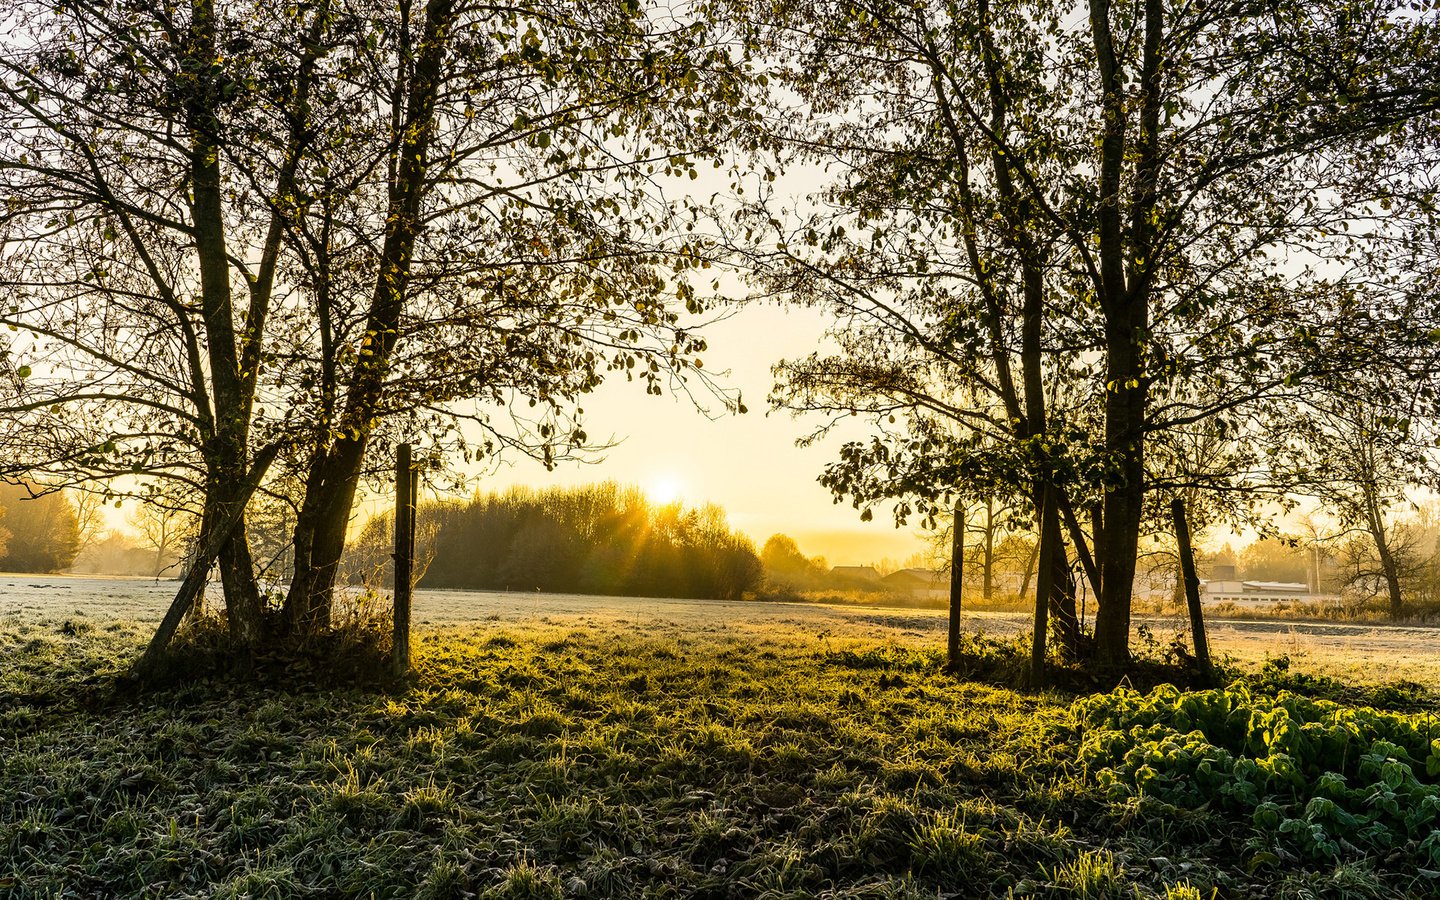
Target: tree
x=1358 y=451
x=143 y=265
x=167 y=530
x=1316 y=535
x=988 y=542
x=1275 y=559
x=303 y=225
x=89 y=518
x=785 y=565
x=44 y=536
x=1042 y=274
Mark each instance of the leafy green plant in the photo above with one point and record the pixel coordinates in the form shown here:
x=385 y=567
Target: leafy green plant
x=1311 y=777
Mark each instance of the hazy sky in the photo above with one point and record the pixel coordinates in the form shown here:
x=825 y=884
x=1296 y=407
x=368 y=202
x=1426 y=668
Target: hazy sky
x=748 y=464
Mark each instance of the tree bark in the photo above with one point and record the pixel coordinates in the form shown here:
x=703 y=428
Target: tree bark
x=1045 y=587
x=214 y=534
x=988 y=551
x=1389 y=568
x=1029 y=569
x=957 y=581
x=1192 y=587
x=226 y=449
x=335 y=474
x=1124 y=503
x=1063 y=613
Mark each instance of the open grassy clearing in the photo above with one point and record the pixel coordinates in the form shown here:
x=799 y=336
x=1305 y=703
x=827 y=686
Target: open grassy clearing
x=1341 y=649
x=613 y=759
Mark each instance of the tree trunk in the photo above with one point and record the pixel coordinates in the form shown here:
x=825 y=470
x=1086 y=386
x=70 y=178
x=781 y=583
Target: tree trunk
x=320 y=536
x=1389 y=569
x=1126 y=266
x=1045 y=587
x=957 y=583
x=1029 y=569
x=988 y=565
x=227 y=448
x=221 y=525
x=1063 y=613
x=1125 y=403
x=335 y=476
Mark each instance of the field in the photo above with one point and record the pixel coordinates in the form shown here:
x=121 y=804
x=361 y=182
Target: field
x=584 y=748
x=1357 y=652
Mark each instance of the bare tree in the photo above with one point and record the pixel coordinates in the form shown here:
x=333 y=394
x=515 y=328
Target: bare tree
x=1358 y=452
x=168 y=531
x=89 y=517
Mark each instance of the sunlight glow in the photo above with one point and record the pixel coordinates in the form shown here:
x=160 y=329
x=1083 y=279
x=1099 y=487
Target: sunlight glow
x=664 y=488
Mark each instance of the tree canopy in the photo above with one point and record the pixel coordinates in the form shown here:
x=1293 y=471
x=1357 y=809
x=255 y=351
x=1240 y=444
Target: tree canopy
x=1097 y=252
x=1063 y=241
x=43 y=533
x=245 y=230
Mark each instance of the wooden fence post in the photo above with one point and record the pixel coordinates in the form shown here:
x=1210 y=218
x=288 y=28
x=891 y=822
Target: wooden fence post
x=1044 y=585
x=957 y=576
x=405 y=494
x=1192 y=587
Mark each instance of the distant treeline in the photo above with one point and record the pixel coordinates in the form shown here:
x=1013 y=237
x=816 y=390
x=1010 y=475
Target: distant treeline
x=598 y=539
x=39 y=532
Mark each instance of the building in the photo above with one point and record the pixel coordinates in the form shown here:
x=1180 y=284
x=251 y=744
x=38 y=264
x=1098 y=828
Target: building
x=1232 y=591
x=863 y=574
x=920 y=584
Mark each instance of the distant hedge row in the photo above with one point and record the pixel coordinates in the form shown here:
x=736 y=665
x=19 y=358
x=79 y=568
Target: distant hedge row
x=598 y=539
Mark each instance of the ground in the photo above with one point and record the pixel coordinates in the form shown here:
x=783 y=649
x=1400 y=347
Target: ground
x=564 y=747
x=1360 y=652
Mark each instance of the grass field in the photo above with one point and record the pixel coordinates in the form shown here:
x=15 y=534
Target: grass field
x=602 y=759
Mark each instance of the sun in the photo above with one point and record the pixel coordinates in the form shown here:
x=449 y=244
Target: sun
x=664 y=489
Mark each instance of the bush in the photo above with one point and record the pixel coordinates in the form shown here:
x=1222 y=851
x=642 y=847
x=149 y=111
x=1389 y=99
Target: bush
x=1309 y=777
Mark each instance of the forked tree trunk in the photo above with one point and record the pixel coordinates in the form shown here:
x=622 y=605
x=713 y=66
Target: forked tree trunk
x=1125 y=267
x=226 y=449
x=335 y=475
x=320 y=533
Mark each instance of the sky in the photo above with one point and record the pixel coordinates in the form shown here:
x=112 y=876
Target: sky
x=748 y=463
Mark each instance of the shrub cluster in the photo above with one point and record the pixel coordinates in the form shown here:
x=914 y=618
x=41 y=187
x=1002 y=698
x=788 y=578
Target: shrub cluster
x=597 y=539
x=1314 y=778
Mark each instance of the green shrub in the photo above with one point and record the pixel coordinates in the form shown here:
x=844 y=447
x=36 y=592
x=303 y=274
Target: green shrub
x=1309 y=776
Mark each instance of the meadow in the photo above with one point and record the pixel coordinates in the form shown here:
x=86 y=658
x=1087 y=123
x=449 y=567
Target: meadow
x=597 y=756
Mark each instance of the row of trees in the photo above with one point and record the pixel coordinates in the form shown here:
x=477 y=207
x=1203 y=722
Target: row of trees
x=1106 y=253
x=1323 y=552
x=44 y=530
x=1102 y=252
x=601 y=539
x=246 y=243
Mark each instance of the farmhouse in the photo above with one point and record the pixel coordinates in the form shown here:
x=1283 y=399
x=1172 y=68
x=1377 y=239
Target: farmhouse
x=860 y=574
x=921 y=584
